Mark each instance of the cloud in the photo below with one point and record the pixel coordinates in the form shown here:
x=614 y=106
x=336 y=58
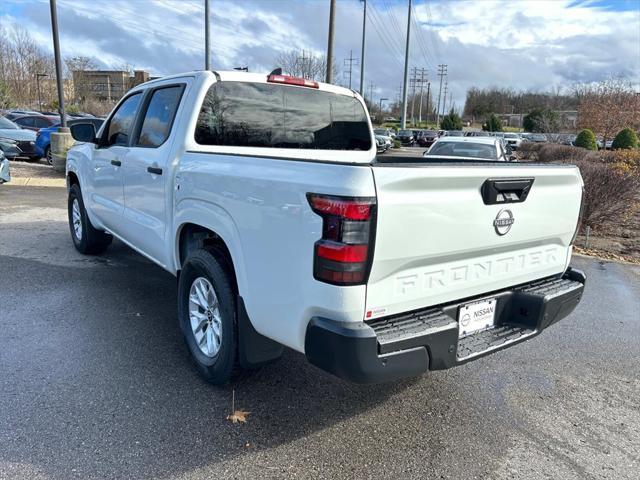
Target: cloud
x=522 y=45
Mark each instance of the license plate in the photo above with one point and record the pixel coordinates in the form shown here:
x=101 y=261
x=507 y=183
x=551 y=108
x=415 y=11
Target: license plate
x=476 y=316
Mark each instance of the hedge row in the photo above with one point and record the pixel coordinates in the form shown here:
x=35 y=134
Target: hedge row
x=611 y=179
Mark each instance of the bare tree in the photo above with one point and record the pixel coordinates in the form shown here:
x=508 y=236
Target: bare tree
x=76 y=70
x=607 y=107
x=304 y=64
x=20 y=61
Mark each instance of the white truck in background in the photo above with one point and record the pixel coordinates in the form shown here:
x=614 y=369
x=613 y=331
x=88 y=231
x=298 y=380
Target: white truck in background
x=263 y=194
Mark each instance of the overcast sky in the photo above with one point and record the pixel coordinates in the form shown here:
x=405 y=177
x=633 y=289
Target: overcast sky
x=518 y=44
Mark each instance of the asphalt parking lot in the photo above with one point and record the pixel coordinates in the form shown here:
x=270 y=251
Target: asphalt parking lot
x=95 y=382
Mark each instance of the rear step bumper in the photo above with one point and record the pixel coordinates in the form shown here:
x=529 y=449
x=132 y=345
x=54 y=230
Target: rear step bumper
x=408 y=344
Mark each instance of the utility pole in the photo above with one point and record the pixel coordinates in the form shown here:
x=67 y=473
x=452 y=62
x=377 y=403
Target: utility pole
x=371 y=92
x=56 y=54
x=207 y=51
x=444 y=99
x=421 y=88
x=428 y=99
x=303 y=65
x=442 y=71
x=412 y=82
x=364 y=30
x=332 y=26
x=350 y=62
x=403 y=121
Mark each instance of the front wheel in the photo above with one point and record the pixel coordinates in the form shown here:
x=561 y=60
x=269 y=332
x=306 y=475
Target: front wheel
x=207 y=316
x=86 y=238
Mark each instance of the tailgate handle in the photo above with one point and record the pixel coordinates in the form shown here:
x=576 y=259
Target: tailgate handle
x=497 y=191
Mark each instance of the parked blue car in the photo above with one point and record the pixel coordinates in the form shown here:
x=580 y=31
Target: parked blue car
x=43 y=137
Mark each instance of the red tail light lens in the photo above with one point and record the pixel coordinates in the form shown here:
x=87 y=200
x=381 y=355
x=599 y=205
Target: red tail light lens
x=343 y=254
x=287 y=80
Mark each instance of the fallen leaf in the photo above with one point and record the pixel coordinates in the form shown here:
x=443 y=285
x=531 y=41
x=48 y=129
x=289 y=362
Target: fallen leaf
x=238 y=416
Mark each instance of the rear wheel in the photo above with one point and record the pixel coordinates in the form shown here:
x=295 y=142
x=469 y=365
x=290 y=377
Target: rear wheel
x=48 y=155
x=86 y=238
x=207 y=316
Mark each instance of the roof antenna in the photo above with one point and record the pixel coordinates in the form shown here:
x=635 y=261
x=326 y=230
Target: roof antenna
x=277 y=71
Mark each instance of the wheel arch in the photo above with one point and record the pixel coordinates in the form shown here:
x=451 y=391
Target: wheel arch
x=193 y=235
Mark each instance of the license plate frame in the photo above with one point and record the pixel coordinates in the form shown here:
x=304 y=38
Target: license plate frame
x=476 y=316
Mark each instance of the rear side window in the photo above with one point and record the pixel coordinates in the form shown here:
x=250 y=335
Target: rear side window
x=266 y=115
x=25 y=122
x=122 y=120
x=41 y=122
x=159 y=116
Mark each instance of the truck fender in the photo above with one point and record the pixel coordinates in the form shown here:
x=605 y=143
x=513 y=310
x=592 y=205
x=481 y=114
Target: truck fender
x=215 y=218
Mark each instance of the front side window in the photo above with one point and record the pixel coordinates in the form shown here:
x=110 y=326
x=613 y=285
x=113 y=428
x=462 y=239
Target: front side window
x=277 y=116
x=122 y=121
x=159 y=116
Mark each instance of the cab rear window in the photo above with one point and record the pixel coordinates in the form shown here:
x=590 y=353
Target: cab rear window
x=279 y=116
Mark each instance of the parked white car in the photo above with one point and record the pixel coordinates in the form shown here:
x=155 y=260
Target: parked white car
x=263 y=194
x=514 y=140
x=473 y=148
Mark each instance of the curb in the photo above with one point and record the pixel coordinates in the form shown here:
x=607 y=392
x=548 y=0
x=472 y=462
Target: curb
x=36 y=182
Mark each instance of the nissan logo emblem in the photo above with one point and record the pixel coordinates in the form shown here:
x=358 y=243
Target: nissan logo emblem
x=503 y=221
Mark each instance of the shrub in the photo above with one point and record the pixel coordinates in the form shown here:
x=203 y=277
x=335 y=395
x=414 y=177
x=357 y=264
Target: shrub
x=397 y=144
x=493 y=124
x=586 y=139
x=452 y=121
x=625 y=139
x=601 y=205
x=549 y=153
x=542 y=121
x=611 y=179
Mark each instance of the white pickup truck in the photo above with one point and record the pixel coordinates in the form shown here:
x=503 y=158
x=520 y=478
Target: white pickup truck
x=263 y=194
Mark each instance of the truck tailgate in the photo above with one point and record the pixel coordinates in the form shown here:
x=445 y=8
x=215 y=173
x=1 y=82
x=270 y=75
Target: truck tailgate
x=440 y=239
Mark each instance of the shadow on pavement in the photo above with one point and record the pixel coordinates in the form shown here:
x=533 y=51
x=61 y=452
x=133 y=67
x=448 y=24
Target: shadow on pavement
x=93 y=368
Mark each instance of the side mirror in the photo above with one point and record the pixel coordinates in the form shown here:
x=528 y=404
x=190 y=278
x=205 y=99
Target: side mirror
x=84 y=132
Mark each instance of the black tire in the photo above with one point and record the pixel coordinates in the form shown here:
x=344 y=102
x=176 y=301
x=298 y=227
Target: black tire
x=222 y=367
x=90 y=241
x=48 y=156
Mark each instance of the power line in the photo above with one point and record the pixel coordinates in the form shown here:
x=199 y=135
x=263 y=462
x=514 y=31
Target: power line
x=403 y=120
x=389 y=39
x=395 y=55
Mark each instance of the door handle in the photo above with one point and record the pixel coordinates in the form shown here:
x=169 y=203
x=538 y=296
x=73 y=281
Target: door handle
x=154 y=170
x=117 y=163
x=505 y=190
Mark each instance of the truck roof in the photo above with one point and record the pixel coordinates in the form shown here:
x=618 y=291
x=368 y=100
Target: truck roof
x=250 y=77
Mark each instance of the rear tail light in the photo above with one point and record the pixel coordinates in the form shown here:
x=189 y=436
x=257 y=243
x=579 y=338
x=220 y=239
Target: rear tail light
x=343 y=255
x=286 y=79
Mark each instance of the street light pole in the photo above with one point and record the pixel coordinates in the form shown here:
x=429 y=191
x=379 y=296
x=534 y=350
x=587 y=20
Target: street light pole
x=332 y=26
x=38 y=75
x=403 y=120
x=364 y=31
x=207 y=52
x=56 y=54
